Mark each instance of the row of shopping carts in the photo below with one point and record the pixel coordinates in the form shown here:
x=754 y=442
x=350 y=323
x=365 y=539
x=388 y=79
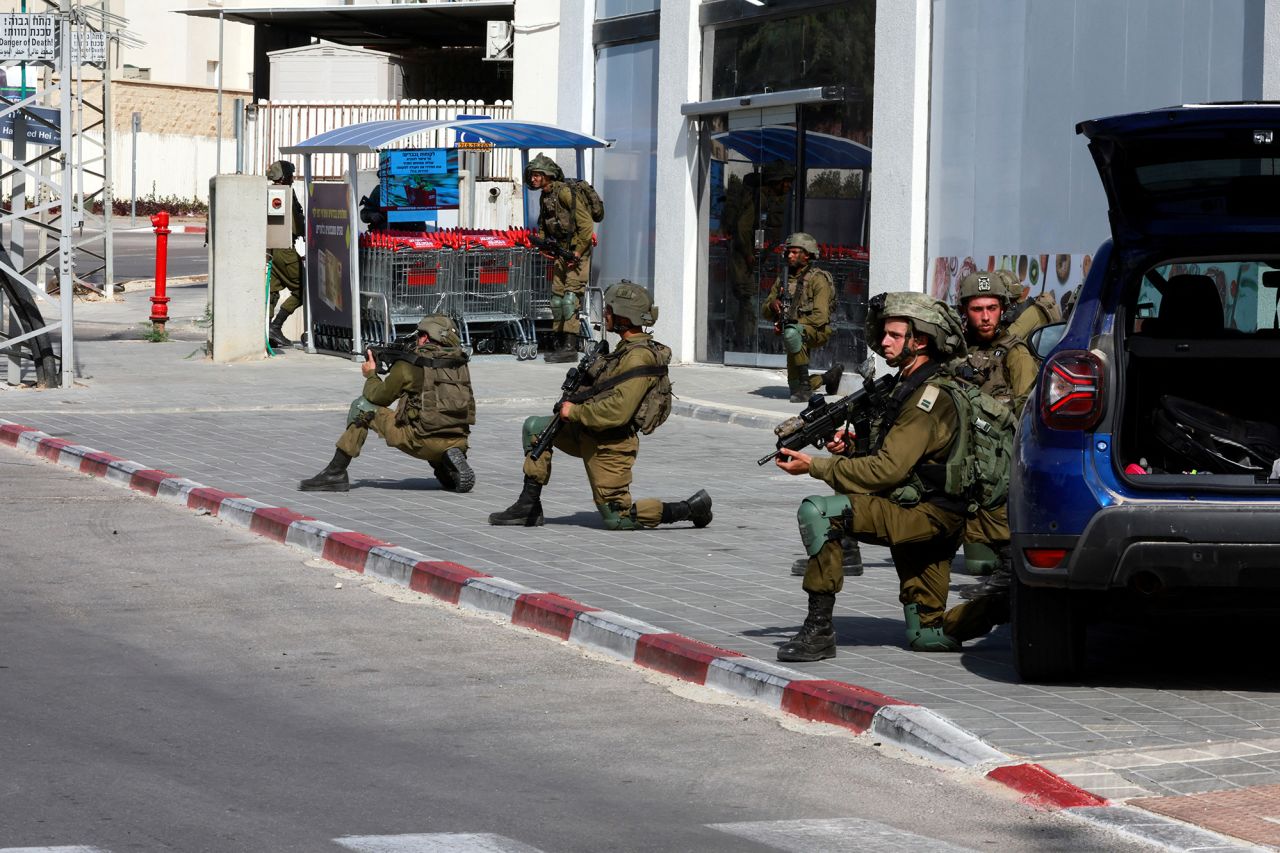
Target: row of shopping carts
x=493 y=284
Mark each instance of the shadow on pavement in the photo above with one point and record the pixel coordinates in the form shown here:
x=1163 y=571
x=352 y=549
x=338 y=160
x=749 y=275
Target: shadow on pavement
x=772 y=392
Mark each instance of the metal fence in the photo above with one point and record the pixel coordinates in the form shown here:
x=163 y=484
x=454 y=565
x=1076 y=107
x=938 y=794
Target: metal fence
x=277 y=125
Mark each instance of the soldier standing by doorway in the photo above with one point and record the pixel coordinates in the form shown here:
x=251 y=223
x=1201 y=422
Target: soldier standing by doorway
x=567 y=220
x=286 y=264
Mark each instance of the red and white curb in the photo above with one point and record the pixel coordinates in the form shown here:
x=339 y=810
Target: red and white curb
x=848 y=706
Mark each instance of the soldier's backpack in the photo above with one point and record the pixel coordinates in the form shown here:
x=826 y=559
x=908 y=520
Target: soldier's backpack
x=655 y=408
x=983 y=448
x=589 y=196
x=446 y=404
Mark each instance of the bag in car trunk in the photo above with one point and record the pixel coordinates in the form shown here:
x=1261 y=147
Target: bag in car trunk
x=1207 y=440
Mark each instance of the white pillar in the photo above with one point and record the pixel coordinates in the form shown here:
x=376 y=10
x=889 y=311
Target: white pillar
x=900 y=146
x=675 y=266
x=237 y=269
x=1271 y=51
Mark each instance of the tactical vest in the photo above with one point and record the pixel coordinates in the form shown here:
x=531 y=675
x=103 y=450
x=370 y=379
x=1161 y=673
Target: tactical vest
x=655 y=406
x=802 y=299
x=445 y=404
x=988 y=368
x=556 y=217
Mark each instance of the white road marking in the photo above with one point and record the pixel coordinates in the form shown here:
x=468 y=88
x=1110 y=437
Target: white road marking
x=838 y=835
x=435 y=842
x=76 y=848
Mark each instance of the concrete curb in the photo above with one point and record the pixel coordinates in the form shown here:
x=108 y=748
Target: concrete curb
x=848 y=706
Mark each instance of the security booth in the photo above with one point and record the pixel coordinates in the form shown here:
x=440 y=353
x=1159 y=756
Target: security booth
x=426 y=257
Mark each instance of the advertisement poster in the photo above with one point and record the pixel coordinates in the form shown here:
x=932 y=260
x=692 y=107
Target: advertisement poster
x=413 y=182
x=328 y=266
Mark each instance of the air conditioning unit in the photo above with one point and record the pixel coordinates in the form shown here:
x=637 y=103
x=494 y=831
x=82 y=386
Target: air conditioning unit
x=499 y=41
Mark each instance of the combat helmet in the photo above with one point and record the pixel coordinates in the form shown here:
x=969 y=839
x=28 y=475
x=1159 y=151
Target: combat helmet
x=632 y=302
x=440 y=328
x=544 y=164
x=801 y=240
x=1012 y=286
x=280 y=172
x=778 y=170
x=927 y=316
x=983 y=284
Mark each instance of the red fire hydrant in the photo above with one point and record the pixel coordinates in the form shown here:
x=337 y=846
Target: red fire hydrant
x=160 y=302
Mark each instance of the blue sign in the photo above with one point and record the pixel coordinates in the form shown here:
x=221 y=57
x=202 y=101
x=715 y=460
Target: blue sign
x=464 y=136
x=36 y=131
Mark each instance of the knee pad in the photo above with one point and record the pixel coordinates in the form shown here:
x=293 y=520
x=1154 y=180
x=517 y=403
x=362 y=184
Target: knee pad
x=616 y=519
x=792 y=339
x=554 y=303
x=569 y=305
x=533 y=427
x=814 y=517
x=361 y=412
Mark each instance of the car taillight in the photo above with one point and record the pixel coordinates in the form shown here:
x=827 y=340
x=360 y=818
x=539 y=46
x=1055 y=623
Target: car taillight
x=1044 y=558
x=1071 y=394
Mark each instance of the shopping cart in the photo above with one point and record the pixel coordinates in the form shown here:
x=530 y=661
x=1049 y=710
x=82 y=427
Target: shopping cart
x=538 y=270
x=491 y=288
x=403 y=277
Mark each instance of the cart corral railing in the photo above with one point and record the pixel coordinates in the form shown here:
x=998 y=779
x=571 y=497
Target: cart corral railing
x=288 y=123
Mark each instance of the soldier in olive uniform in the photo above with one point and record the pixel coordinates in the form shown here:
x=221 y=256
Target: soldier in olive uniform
x=568 y=221
x=1024 y=315
x=1003 y=366
x=760 y=204
x=435 y=409
x=601 y=426
x=801 y=314
x=286 y=264
x=896 y=495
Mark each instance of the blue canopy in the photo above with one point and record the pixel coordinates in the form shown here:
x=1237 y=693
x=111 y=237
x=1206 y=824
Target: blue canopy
x=778 y=142
x=372 y=136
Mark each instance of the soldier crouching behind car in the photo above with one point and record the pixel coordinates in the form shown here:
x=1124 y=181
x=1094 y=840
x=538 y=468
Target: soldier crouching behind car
x=435 y=409
x=896 y=495
x=627 y=391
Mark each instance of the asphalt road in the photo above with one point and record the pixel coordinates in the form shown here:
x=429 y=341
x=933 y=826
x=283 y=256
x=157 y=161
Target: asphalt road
x=168 y=682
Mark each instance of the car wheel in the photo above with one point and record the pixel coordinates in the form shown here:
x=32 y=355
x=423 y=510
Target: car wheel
x=1048 y=633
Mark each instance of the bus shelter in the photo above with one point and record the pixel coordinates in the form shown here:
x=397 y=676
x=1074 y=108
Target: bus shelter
x=333 y=286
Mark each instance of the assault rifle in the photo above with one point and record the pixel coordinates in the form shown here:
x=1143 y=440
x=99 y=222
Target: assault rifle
x=574 y=379
x=784 y=309
x=401 y=349
x=820 y=420
x=552 y=246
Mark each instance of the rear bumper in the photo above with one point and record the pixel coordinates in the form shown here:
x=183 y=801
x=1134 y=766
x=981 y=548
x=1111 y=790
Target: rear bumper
x=1167 y=546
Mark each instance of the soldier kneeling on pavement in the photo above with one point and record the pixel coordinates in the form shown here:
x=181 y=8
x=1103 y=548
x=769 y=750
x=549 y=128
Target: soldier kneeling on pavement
x=801 y=309
x=434 y=410
x=626 y=392
x=912 y=493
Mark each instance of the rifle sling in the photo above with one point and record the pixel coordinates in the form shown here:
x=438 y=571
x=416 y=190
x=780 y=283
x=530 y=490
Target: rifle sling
x=614 y=381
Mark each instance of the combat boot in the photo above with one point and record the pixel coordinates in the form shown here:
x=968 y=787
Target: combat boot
x=557 y=342
x=816 y=639
x=276 y=332
x=332 y=479
x=454 y=472
x=831 y=378
x=696 y=508
x=996 y=583
x=926 y=639
x=526 y=511
x=850 y=560
x=568 y=350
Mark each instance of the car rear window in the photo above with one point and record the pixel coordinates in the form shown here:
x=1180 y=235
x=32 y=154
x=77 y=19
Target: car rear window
x=1178 y=299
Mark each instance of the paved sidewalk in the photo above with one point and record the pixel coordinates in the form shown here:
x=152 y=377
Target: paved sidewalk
x=1156 y=720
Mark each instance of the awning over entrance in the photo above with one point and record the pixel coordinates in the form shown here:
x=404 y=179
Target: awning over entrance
x=821 y=150
x=373 y=136
x=391 y=27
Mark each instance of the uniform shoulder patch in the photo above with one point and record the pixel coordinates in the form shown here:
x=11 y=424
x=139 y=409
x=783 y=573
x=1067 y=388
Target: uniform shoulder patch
x=928 y=398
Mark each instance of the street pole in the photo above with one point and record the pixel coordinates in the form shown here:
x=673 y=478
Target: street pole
x=66 y=272
x=108 y=164
x=221 y=17
x=136 y=125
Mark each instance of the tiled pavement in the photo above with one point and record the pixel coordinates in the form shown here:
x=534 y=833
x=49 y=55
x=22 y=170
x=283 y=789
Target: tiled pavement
x=1168 y=709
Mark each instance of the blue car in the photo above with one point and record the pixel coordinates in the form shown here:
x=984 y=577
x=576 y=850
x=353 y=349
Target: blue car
x=1147 y=465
